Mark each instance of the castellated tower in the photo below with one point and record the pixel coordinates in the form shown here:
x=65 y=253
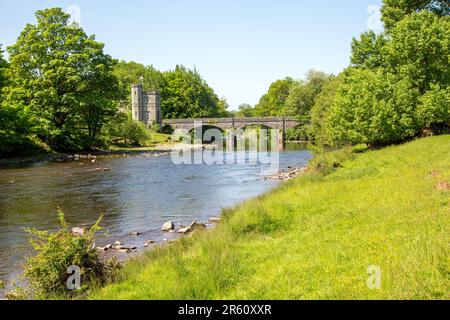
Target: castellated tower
x=136 y=102
x=146 y=107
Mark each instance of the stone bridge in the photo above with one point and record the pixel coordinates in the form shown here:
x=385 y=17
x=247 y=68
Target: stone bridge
x=231 y=125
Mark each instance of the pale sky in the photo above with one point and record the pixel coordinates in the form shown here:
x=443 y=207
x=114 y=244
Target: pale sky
x=239 y=47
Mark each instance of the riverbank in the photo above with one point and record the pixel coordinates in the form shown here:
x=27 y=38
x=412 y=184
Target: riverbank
x=316 y=237
x=161 y=149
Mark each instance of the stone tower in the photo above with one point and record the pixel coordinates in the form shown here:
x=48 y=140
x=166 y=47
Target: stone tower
x=146 y=107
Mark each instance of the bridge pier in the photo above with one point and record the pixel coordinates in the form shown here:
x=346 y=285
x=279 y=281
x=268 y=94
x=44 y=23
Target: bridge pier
x=281 y=139
x=230 y=140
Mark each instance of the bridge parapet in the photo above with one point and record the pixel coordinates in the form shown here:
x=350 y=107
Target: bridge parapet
x=279 y=123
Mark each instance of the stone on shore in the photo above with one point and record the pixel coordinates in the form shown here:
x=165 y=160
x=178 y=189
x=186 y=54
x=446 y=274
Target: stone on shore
x=149 y=242
x=168 y=226
x=106 y=248
x=185 y=230
x=214 y=220
x=197 y=226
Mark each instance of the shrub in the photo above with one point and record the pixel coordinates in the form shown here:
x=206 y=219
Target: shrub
x=56 y=252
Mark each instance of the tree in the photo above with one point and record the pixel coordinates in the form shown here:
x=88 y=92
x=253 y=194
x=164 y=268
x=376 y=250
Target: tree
x=321 y=109
x=419 y=49
x=14 y=121
x=60 y=73
x=3 y=69
x=245 y=110
x=273 y=103
x=129 y=73
x=398 y=87
x=434 y=109
x=186 y=95
x=373 y=107
x=394 y=11
x=367 y=51
x=302 y=94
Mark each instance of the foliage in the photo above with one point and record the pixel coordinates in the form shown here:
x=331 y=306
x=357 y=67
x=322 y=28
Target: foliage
x=394 y=11
x=186 y=95
x=129 y=73
x=302 y=94
x=64 y=78
x=321 y=109
x=373 y=108
x=419 y=50
x=273 y=103
x=367 y=51
x=3 y=71
x=395 y=92
x=379 y=208
x=245 y=110
x=56 y=252
x=434 y=107
x=124 y=129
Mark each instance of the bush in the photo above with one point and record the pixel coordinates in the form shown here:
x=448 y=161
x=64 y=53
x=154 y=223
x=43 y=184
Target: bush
x=434 y=108
x=124 y=130
x=56 y=252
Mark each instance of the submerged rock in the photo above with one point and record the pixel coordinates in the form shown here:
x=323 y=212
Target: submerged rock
x=135 y=233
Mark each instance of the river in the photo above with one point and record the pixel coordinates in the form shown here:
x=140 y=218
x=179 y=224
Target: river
x=139 y=193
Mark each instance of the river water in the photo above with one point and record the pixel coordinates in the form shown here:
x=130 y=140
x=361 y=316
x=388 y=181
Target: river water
x=139 y=193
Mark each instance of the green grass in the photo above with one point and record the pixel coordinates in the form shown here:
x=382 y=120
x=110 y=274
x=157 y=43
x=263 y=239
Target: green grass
x=314 y=237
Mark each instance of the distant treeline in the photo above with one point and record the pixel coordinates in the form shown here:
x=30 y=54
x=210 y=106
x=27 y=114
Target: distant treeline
x=396 y=88
x=60 y=91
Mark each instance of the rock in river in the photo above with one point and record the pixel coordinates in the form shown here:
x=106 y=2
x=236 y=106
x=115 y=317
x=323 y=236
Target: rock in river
x=168 y=226
x=135 y=233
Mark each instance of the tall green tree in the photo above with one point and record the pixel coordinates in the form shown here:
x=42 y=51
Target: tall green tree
x=367 y=50
x=373 y=107
x=419 y=49
x=3 y=70
x=400 y=89
x=64 y=77
x=186 y=95
x=245 y=110
x=274 y=101
x=302 y=94
x=14 y=120
x=394 y=11
x=129 y=73
x=321 y=109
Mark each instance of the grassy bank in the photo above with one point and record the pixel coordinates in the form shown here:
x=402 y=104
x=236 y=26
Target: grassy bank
x=314 y=237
